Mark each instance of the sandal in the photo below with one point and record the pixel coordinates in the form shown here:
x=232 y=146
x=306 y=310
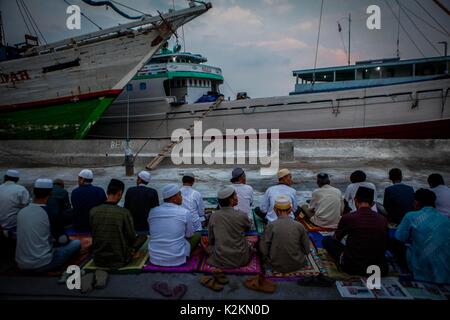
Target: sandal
x=162 y=288
x=211 y=283
x=178 y=292
x=87 y=282
x=220 y=277
x=101 y=279
x=259 y=283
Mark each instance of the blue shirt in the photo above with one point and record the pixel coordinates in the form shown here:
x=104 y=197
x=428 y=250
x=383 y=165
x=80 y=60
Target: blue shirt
x=84 y=198
x=427 y=236
x=398 y=201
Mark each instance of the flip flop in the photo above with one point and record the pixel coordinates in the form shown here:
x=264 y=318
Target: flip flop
x=87 y=282
x=259 y=283
x=211 y=283
x=162 y=288
x=101 y=279
x=220 y=277
x=178 y=292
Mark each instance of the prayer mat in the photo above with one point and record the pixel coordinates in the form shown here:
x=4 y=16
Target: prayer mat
x=252 y=239
x=80 y=259
x=190 y=266
x=258 y=222
x=254 y=266
x=329 y=267
x=136 y=264
x=311 y=227
x=311 y=269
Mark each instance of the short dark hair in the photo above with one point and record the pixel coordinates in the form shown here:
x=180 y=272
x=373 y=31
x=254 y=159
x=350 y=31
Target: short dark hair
x=358 y=176
x=425 y=197
x=115 y=186
x=435 y=180
x=8 y=178
x=364 y=194
x=188 y=179
x=58 y=182
x=40 y=193
x=323 y=179
x=395 y=174
x=88 y=180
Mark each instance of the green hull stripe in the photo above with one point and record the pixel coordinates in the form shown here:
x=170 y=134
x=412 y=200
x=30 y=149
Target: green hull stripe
x=181 y=74
x=71 y=120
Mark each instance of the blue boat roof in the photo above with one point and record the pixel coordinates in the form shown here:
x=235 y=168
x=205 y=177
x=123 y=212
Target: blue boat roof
x=370 y=64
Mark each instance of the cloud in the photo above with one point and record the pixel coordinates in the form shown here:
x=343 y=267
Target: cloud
x=281 y=45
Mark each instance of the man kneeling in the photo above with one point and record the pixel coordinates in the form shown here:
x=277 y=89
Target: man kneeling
x=367 y=236
x=113 y=236
x=227 y=245
x=285 y=243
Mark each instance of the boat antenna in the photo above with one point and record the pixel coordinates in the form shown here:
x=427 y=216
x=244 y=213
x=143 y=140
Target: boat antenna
x=398 y=32
x=317 y=43
x=349 y=36
x=342 y=38
x=2 y=32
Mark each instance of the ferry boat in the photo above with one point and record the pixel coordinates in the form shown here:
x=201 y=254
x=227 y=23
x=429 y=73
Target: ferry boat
x=60 y=90
x=388 y=98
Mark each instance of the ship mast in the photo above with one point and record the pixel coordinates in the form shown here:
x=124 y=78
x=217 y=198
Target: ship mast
x=2 y=32
x=349 y=36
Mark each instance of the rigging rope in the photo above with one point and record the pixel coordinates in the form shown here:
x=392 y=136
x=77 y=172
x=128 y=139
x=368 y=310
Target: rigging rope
x=445 y=33
x=85 y=16
x=317 y=44
x=33 y=21
x=418 y=29
x=434 y=19
x=404 y=29
x=112 y=6
x=23 y=17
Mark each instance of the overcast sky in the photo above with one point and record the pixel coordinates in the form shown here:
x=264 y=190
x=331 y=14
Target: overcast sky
x=258 y=43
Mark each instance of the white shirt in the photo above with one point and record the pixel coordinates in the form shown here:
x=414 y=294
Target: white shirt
x=34 y=241
x=244 y=194
x=193 y=201
x=170 y=225
x=13 y=197
x=268 y=200
x=327 y=203
x=442 y=199
x=351 y=192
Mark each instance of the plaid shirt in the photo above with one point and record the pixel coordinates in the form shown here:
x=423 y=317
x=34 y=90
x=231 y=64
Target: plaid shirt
x=113 y=235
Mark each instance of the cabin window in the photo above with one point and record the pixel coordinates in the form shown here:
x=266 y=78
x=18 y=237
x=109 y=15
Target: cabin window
x=190 y=82
x=398 y=71
x=429 y=69
x=129 y=87
x=195 y=82
x=143 y=86
x=346 y=75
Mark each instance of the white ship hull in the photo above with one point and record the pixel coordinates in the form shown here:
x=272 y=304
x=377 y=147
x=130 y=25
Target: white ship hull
x=412 y=110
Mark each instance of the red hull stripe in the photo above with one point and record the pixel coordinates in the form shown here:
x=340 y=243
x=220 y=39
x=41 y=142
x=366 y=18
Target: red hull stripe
x=46 y=103
x=439 y=129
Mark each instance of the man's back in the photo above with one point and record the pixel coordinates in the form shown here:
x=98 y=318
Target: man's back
x=244 y=194
x=13 y=197
x=113 y=235
x=193 y=201
x=366 y=242
x=398 y=200
x=84 y=198
x=272 y=194
x=351 y=190
x=442 y=193
x=286 y=244
x=428 y=233
x=58 y=201
x=227 y=245
x=140 y=200
x=328 y=205
x=169 y=224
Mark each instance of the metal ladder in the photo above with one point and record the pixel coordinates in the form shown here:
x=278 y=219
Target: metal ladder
x=168 y=148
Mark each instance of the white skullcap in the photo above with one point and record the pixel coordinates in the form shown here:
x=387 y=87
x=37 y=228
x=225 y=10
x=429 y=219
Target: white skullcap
x=43 y=184
x=145 y=176
x=12 y=173
x=283 y=202
x=86 y=174
x=283 y=173
x=170 y=190
x=225 y=192
x=189 y=174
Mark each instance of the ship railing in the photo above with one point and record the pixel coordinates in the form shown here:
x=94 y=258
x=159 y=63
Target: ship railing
x=144 y=25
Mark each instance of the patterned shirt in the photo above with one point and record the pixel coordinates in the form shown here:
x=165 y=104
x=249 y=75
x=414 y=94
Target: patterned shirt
x=427 y=236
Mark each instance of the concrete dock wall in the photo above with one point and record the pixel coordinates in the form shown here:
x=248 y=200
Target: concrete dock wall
x=96 y=153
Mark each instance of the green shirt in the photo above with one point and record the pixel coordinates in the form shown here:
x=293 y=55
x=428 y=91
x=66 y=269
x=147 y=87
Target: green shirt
x=113 y=235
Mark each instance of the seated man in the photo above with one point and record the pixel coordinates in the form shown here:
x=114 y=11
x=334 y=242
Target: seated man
x=326 y=206
x=283 y=187
x=285 y=243
x=367 y=236
x=172 y=237
x=13 y=197
x=59 y=204
x=35 y=249
x=84 y=198
x=426 y=233
x=113 y=236
x=227 y=246
x=398 y=198
x=358 y=179
x=244 y=192
x=442 y=192
x=140 y=200
x=193 y=201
